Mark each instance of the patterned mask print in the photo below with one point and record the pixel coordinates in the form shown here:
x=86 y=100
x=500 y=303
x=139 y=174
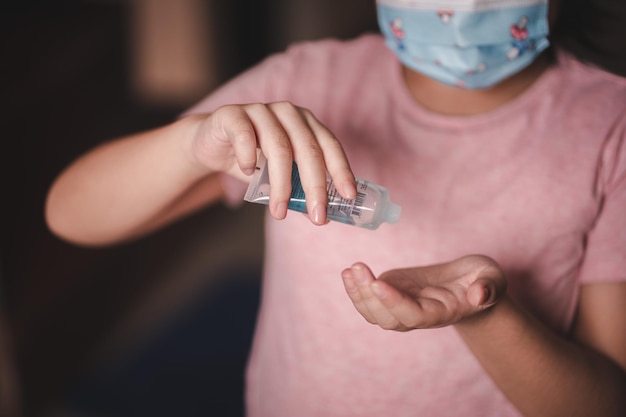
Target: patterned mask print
x=465 y=43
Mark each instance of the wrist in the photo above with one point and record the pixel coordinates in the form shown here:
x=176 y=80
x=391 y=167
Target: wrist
x=190 y=129
x=487 y=318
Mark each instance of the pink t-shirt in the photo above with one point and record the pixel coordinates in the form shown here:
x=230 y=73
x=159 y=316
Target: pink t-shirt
x=539 y=185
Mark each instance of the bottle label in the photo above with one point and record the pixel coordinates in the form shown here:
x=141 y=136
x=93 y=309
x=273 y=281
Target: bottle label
x=338 y=208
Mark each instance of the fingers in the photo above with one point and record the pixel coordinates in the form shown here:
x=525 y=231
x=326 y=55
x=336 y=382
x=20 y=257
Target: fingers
x=485 y=292
x=275 y=143
x=306 y=150
x=425 y=297
x=486 y=284
x=287 y=133
x=233 y=126
x=357 y=280
x=334 y=156
x=478 y=294
x=378 y=302
x=408 y=312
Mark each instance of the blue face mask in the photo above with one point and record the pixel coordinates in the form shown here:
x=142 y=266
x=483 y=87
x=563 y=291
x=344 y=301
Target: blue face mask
x=465 y=43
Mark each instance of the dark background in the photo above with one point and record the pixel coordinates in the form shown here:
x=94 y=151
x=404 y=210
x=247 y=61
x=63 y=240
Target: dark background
x=160 y=326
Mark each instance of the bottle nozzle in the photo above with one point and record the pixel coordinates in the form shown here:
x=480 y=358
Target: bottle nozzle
x=392 y=213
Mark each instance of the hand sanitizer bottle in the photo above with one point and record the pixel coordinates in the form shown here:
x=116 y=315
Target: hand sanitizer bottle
x=368 y=210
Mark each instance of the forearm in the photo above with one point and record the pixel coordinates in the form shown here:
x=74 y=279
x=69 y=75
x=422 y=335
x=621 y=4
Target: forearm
x=119 y=189
x=542 y=373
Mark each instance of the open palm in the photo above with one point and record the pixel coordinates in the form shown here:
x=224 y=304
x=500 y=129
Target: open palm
x=425 y=297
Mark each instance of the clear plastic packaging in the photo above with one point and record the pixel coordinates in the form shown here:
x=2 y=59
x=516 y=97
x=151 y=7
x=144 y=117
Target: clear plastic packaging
x=368 y=210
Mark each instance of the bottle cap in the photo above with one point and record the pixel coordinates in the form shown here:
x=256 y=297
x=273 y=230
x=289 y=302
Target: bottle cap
x=392 y=212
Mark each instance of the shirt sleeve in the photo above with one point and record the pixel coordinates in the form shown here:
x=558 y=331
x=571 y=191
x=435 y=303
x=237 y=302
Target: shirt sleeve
x=605 y=258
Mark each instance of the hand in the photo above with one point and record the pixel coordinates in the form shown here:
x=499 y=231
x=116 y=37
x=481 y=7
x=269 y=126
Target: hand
x=425 y=297
x=228 y=139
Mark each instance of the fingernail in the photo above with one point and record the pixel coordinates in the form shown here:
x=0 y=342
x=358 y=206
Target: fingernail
x=248 y=171
x=359 y=274
x=348 y=280
x=486 y=294
x=349 y=189
x=319 y=214
x=281 y=210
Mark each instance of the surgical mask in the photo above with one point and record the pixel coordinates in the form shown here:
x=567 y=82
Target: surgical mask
x=465 y=43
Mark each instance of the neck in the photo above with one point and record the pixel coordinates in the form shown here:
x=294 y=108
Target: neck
x=452 y=101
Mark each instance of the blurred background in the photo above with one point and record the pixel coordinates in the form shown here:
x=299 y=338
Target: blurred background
x=160 y=326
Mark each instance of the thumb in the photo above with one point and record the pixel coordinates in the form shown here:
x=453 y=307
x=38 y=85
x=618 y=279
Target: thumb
x=485 y=292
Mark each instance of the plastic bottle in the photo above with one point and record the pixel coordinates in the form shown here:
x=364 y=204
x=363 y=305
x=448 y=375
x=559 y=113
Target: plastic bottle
x=368 y=210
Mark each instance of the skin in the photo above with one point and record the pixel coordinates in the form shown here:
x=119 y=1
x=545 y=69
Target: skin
x=541 y=373
x=126 y=188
